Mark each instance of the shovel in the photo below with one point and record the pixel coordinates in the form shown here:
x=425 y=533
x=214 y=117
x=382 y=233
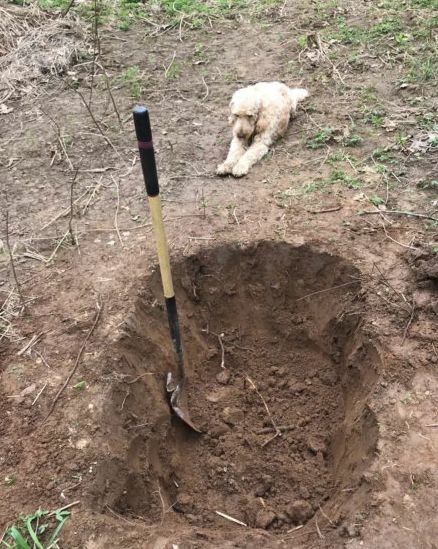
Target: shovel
x=174 y=385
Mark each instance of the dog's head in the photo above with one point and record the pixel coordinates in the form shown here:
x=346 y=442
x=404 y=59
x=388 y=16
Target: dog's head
x=244 y=107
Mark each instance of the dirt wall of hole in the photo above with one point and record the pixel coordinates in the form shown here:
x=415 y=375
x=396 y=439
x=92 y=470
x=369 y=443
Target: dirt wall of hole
x=309 y=358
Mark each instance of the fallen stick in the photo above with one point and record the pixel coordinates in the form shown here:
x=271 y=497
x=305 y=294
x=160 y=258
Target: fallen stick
x=398 y=212
x=78 y=358
x=325 y=211
x=232 y=519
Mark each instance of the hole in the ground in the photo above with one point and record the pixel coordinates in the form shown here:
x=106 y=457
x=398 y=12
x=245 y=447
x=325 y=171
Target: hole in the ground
x=309 y=359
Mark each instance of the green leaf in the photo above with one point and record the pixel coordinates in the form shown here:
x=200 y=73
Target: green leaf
x=79 y=385
x=16 y=535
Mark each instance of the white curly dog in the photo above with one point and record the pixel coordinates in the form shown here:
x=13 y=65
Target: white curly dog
x=260 y=115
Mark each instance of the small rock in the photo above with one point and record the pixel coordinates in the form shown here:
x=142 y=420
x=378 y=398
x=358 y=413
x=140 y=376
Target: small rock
x=232 y=416
x=297 y=387
x=315 y=445
x=223 y=377
x=219 y=429
x=183 y=503
x=265 y=518
x=263 y=487
x=299 y=511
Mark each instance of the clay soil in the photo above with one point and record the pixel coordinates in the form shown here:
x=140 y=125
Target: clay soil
x=309 y=330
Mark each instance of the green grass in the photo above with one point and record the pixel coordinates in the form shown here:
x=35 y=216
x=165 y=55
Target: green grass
x=38 y=530
x=131 y=79
x=352 y=140
x=347 y=34
x=389 y=25
x=320 y=138
x=424 y=69
x=374 y=117
x=376 y=200
x=338 y=176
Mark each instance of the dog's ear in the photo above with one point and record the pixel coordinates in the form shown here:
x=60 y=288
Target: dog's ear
x=262 y=120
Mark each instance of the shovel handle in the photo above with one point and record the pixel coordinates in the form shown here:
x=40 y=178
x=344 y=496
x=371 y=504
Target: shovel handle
x=147 y=157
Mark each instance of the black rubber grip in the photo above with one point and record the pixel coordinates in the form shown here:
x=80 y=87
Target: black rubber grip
x=146 y=149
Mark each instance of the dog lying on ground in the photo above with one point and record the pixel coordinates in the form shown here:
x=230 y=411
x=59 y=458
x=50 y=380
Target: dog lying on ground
x=260 y=115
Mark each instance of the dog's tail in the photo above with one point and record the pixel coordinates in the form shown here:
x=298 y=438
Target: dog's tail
x=296 y=95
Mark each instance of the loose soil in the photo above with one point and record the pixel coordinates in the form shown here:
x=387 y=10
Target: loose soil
x=328 y=317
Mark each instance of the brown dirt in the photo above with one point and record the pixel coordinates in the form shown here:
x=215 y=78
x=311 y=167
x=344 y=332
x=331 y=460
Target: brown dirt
x=352 y=370
x=310 y=363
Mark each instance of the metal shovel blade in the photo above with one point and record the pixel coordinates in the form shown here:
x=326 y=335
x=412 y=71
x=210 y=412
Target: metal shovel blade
x=174 y=390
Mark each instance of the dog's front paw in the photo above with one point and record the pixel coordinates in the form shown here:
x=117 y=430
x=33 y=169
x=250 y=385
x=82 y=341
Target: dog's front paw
x=224 y=169
x=240 y=169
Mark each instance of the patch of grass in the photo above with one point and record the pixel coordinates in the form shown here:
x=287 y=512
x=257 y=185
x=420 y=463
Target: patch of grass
x=369 y=94
x=339 y=176
x=376 y=200
x=131 y=79
x=401 y=139
x=424 y=69
x=348 y=34
x=40 y=529
x=321 y=138
x=172 y=70
x=389 y=25
x=428 y=184
x=382 y=155
x=428 y=121
x=352 y=140
x=315 y=186
x=376 y=118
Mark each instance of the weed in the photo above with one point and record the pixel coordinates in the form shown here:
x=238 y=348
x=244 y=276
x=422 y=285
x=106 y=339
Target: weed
x=336 y=156
x=400 y=38
x=428 y=184
x=315 y=186
x=428 y=121
x=321 y=138
x=376 y=118
x=352 y=140
x=369 y=94
x=40 y=529
x=376 y=200
x=340 y=176
x=401 y=139
x=386 y=26
x=172 y=70
x=423 y=69
x=383 y=155
x=131 y=79
x=79 y=385
x=10 y=481
x=302 y=41
x=347 y=34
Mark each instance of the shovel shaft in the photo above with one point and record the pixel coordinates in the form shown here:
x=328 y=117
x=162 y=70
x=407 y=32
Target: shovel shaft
x=147 y=157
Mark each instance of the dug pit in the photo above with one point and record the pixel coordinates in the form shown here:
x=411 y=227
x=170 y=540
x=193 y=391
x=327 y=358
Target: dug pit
x=279 y=373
